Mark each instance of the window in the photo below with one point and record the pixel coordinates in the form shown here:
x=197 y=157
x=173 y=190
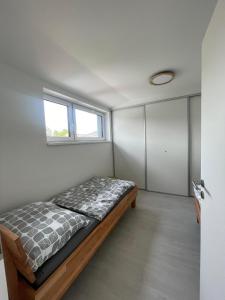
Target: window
x=89 y=125
x=69 y=122
x=56 y=118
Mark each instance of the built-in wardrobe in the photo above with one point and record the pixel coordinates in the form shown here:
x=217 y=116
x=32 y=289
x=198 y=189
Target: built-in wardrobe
x=158 y=144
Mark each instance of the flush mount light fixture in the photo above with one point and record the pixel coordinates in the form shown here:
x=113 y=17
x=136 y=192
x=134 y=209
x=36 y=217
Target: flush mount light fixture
x=163 y=77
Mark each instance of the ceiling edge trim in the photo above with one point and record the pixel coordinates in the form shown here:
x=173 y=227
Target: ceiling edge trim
x=158 y=101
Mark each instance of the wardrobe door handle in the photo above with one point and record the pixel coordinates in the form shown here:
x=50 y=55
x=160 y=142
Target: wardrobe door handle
x=202 y=183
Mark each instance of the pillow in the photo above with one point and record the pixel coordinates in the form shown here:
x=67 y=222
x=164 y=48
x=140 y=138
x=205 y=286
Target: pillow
x=43 y=228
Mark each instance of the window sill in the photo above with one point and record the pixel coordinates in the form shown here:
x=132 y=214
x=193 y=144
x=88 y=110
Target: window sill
x=63 y=143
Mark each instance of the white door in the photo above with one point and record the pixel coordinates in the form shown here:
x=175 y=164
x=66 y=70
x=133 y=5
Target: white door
x=167 y=147
x=213 y=159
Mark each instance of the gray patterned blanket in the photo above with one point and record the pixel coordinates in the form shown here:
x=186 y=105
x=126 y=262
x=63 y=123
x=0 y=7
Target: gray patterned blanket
x=94 y=198
x=43 y=228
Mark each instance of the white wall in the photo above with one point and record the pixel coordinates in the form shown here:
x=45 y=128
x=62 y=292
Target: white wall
x=167 y=147
x=129 y=144
x=195 y=143
x=213 y=159
x=3 y=287
x=29 y=169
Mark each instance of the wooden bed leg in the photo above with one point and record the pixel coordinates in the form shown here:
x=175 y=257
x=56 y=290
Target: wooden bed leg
x=133 y=204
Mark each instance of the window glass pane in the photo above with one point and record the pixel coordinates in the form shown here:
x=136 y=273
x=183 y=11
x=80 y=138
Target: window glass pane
x=56 y=119
x=88 y=125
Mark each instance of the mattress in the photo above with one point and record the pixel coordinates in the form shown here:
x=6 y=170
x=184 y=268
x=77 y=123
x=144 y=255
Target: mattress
x=55 y=261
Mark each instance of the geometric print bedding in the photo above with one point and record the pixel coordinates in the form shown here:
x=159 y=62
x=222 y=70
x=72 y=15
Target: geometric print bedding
x=94 y=198
x=43 y=228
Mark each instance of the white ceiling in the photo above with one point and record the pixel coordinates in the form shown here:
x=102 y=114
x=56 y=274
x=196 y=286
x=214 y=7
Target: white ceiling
x=106 y=50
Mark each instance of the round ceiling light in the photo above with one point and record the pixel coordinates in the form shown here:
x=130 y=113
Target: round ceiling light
x=161 y=78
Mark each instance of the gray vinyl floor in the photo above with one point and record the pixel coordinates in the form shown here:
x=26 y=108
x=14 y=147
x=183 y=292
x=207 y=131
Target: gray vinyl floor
x=152 y=254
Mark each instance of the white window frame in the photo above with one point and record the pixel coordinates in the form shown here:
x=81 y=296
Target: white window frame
x=100 y=127
x=71 y=107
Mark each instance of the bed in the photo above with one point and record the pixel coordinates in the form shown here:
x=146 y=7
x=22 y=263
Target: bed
x=54 y=277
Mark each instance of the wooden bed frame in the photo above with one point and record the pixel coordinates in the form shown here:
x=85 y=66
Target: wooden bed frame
x=62 y=278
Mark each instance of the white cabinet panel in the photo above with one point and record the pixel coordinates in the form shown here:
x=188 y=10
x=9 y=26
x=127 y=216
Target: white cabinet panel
x=129 y=144
x=167 y=147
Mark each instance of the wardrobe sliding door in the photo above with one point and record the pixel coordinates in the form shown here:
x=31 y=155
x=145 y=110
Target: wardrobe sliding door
x=129 y=144
x=167 y=147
